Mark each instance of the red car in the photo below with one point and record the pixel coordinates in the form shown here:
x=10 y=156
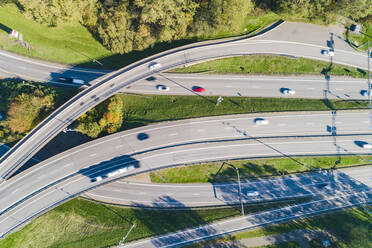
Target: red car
x=198 y=89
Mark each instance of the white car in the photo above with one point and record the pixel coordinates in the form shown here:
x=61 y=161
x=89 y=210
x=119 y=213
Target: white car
x=365 y=93
x=260 y=121
x=162 y=87
x=78 y=81
x=289 y=92
x=330 y=53
x=97 y=179
x=120 y=171
x=253 y=193
x=154 y=66
x=367 y=146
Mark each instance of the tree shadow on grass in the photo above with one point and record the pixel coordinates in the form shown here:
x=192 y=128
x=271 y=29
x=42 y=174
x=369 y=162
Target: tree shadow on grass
x=160 y=222
x=118 y=61
x=6 y=29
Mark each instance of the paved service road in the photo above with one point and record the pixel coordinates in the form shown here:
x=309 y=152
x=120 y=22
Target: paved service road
x=107 y=85
x=177 y=143
x=207 y=194
x=255 y=86
x=13 y=65
x=209 y=231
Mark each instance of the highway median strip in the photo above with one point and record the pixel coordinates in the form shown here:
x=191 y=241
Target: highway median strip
x=271 y=65
x=253 y=168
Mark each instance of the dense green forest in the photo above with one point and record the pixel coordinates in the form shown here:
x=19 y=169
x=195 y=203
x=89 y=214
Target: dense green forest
x=126 y=25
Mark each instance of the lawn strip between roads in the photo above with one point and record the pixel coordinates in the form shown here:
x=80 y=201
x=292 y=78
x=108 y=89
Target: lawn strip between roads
x=255 y=168
x=143 y=110
x=271 y=65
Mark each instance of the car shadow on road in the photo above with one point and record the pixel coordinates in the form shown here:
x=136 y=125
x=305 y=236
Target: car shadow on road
x=110 y=169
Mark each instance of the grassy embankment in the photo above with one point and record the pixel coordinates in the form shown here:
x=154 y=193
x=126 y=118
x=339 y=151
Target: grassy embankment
x=72 y=43
x=206 y=172
x=143 y=110
x=270 y=65
x=82 y=223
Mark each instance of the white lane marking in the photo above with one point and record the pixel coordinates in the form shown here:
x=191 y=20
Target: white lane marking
x=93 y=154
x=339 y=89
x=37 y=160
x=262 y=78
x=310 y=88
x=68 y=164
x=200 y=130
x=118 y=146
x=255 y=87
x=228 y=86
x=310 y=123
x=173 y=134
x=179 y=125
x=195 y=194
x=185 y=233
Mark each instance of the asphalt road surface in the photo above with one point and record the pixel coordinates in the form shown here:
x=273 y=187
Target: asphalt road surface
x=35 y=198
x=13 y=65
x=316 y=185
x=175 y=143
x=254 y=86
x=209 y=231
x=106 y=86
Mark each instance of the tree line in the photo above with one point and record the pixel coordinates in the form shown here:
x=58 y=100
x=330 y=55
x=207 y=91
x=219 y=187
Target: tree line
x=126 y=25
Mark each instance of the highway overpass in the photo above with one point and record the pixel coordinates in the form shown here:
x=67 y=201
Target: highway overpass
x=108 y=84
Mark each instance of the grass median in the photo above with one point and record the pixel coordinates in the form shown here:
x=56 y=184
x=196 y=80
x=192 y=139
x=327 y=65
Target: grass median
x=142 y=110
x=271 y=65
x=82 y=223
x=207 y=172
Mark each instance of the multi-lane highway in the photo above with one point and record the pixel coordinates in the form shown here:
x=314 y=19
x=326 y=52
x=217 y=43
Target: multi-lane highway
x=254 y=86
x=107 y=85
x=66 y=175
x=316 y=185
x=209 y=231
x=175 y=143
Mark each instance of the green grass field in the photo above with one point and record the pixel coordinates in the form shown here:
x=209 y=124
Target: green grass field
x=269 y=65
x=74 y=44
x=82 y=223
x=70 y=44
x=142 y=110
x=206 y=172
x=352 y=228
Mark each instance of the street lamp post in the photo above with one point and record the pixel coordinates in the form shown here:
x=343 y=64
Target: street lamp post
x=239 y=187
x=240 y=190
